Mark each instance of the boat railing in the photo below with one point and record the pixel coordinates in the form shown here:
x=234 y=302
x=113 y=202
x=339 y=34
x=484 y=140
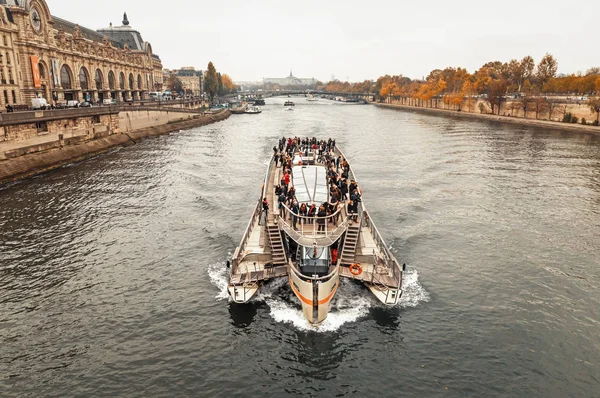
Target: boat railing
x=388 y=258
x=307 y=228
x=239 y=254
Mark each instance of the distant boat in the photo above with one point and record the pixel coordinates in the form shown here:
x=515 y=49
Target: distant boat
x=289 y=105
x=239 y=109
x=253 y=109
x=259 y=101
x=310 y=97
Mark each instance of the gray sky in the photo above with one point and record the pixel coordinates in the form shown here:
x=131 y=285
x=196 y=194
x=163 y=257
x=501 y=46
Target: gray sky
x=355 y=40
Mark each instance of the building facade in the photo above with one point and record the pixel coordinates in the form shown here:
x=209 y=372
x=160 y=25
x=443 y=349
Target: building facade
x=191 y=79
x=42 y=55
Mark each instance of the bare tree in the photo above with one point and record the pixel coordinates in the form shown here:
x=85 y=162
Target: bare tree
x=546 y=69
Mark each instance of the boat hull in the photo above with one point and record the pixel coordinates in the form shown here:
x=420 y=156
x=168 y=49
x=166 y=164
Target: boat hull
x=242 y=293
x=315 y=295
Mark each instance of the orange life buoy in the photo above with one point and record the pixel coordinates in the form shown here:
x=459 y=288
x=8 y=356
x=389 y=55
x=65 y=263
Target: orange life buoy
x=355 y=269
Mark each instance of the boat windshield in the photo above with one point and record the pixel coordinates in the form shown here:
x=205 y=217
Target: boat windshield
x=315 y=261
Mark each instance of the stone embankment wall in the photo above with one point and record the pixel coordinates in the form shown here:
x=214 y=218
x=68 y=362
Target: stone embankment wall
x=26 y=162
x=550 y=109
x=546 y=124
x=139 y=119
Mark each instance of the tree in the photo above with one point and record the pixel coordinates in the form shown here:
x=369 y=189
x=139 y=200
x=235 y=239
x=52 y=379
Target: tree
x=220 y=84
x=594 y=104
x=593 y=71
x=211 y=83
x=174 y=84
x=227 y=84
x=546 y=69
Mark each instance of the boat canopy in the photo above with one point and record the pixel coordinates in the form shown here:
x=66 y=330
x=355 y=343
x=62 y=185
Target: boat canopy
x=310 y=183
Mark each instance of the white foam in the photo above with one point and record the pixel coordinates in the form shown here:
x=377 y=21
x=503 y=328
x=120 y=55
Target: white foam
x=413 y=292
x=351 y=302
x=217 y=273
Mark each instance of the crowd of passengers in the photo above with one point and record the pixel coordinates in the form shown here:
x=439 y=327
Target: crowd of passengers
x=340 y=190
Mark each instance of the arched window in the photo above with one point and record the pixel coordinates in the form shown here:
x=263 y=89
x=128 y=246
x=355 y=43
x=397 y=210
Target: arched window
x=111 y=80
x=131 y=81
x=139 y=82
x=99 y=80
x=65 y=78
x=122 y=81
x=83 y=79
x=42 y=70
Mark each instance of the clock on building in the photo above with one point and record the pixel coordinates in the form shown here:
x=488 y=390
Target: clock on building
x=36 y=21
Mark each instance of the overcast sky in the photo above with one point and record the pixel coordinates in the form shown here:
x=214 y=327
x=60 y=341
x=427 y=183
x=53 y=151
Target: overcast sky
x=354 y=40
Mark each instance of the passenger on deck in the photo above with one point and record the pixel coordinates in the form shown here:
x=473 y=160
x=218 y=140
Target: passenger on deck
x=353 y=210
x=312 y=211
x=303 y=210
x=344 y=189
x=355 y=196
x=265 y=211
x=339 y=207
x=294 y=209
x=286 y=178
x=321 y=220
x=281 y=202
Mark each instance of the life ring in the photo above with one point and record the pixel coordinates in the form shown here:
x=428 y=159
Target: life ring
x=355 y=269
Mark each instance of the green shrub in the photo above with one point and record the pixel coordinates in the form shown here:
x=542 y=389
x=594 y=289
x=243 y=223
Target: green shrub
x=567 y=117
x=574 y=119
x=583 y=121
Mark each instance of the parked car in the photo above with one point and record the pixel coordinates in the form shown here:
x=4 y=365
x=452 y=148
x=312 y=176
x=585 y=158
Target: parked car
x=110 y=102
x=85 y=104
x=72 y=104
x=39 y=104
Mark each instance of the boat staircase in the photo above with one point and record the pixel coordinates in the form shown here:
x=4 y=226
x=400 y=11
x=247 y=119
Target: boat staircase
x=278 y=256
x=350 y=243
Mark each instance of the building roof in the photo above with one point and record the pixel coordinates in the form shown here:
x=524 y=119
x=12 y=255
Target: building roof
x=69 y=27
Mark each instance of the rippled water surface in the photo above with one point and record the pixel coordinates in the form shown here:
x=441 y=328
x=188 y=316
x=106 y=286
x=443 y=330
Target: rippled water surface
x=112 y=271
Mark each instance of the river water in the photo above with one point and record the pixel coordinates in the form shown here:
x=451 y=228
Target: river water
x=112 y=271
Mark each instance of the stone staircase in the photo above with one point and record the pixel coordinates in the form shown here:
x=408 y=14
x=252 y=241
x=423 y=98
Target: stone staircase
x=349 y=250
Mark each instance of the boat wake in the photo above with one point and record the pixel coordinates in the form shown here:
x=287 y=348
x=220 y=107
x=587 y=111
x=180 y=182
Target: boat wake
x=351 y=302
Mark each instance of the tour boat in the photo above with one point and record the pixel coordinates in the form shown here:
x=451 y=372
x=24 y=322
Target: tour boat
x=289 y=105
x=313 y=253
x=311 y=98
x=253 y=109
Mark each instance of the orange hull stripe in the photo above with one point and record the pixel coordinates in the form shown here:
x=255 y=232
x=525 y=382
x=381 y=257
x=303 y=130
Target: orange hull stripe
x=301 y=297
x=326 y=299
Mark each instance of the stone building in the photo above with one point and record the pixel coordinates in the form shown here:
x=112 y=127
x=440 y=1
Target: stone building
x=191 y=79
x=42 y=55
x=290 y=80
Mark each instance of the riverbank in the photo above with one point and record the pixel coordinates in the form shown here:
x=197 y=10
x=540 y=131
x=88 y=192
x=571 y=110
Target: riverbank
x=546 y=124
x=27 y=161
